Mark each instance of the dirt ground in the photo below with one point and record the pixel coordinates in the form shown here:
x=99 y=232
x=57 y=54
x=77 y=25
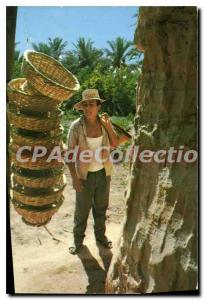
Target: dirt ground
x=44 y=265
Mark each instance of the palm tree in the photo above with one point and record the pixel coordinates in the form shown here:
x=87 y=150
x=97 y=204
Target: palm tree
x=119 y=51
x=54 y=48
x=42 y=47
x=57 y=47
x=87 y=54
x=71 y=61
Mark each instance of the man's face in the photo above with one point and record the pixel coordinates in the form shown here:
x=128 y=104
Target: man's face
x=90 y=108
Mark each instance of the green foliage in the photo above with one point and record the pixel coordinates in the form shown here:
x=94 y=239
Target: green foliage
x=83 y=59
x=54 y=48
x=114 y=72
x=124 y=122
x=120 y=88
x=118 y=52
x=16 y=72
x=87 y=54
x=67 y=118
x=42 y=47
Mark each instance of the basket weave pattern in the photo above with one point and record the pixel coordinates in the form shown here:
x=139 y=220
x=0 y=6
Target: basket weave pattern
x=37 y=197
x=40 y=163
x=27 y=88
x=17 y=95
x=35 y=118
x=37 y=218
x=48 y=76
x=38 y=124
x=37 y=200
x=38 y=182
x=49 y=143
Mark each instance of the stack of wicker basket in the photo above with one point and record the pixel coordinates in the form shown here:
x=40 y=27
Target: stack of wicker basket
x=34 y=117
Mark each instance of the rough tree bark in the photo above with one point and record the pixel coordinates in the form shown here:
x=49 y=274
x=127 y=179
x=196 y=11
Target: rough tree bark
x=11 y=14
x=157 y=250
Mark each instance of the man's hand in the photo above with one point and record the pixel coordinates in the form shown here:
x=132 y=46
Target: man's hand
x=77 y=184
x=105 y=120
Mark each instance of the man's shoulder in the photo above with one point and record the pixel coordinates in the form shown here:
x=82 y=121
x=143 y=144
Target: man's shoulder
x=76 y=123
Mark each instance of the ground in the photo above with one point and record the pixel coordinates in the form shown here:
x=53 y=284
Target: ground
x=44 y=265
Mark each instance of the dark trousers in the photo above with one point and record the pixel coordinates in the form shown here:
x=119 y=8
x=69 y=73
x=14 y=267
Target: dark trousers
x=95 y=195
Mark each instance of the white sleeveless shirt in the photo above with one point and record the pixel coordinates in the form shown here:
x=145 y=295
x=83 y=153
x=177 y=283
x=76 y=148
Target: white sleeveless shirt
x=93 y=144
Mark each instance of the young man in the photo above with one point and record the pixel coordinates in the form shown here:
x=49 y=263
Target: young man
x=91 y=176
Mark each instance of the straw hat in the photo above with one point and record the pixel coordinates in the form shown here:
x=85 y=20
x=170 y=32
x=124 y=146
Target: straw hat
x=87 y=95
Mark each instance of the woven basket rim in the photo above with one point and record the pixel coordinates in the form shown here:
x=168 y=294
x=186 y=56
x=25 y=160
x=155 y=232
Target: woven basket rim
x=36 y=224
x=9 y=87
x=28 y=154
x=45 y=135
x=41 y=191
x=15 y=169
x=26 y=58
x=36 y=209
x=13 y=107
x=22 y=114
x=18 y=90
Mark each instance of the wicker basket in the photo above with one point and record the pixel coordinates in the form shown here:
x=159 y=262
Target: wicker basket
x=24 y=137
x=27 y=88
x=39 y=164
x=37 y=216
x=37 y=197
x=38 y=182
x=35 y=123
x=15 y=147
x=24 y=99
x=37 y=174
x=48 y=76
x=30 y=113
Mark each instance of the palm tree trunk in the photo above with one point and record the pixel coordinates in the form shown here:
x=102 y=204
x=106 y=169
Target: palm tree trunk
x=157 y=250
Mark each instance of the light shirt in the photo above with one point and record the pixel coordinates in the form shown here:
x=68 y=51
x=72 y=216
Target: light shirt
x=93 y=144
x=77 y=136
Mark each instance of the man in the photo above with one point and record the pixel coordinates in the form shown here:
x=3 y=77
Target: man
x=91 y=176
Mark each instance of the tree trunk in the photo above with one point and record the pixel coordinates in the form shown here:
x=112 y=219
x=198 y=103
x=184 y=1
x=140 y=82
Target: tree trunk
x=157 y=250
x=11 y=13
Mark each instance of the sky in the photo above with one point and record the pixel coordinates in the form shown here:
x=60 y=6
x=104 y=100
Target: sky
x=100 y=23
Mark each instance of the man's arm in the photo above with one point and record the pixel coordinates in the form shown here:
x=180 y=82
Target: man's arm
x=76 y=182
x=72 y=142
x=113 y=138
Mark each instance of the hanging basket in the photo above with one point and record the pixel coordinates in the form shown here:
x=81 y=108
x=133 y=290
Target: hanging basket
x=22 y=120
x=39 y=164
x=27 y=88
x=48 y=139
x=37 y=216
x=37 y=174
x=30 y=179
x=18 y=94
x=38 y=182
x=37 y=197
x=13 y=147
x=48 y=76
x=30 y=113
